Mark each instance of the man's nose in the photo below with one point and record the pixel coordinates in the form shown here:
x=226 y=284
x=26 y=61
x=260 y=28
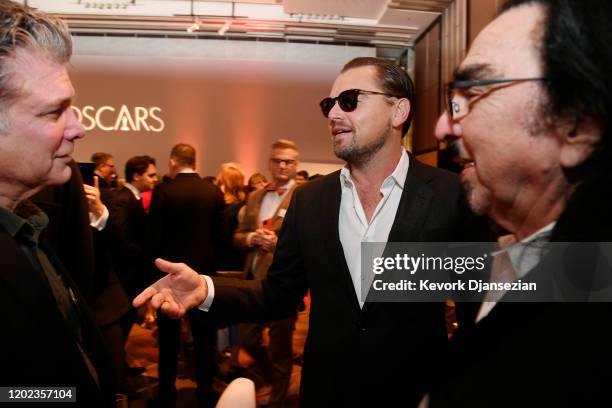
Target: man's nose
x=74 y=128
x=335 y=113
x=447 y=129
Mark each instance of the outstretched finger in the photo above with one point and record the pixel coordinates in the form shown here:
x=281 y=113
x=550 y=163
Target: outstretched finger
x=144 y=296
x=96 y=183
x=170 y=268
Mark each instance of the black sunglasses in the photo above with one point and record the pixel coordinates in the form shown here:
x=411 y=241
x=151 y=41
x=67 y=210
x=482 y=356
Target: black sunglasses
x=347 y=100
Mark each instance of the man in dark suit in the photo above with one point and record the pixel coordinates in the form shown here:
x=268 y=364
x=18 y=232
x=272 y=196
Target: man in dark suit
x=129 y=229
x=131 y=220
x=357 y=353
x=186 y=225
x=48 y=336
x=529 y=110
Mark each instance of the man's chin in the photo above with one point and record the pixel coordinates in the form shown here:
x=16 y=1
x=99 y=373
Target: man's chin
x=479 y=201
x=60 y=174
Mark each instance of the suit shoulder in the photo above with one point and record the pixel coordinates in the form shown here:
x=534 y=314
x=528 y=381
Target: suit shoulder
x=123 y=195
x=433 y=175
x=320 y=184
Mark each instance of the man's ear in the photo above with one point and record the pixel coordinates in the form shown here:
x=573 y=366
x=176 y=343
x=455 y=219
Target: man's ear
x=579 y=143
x=401 y=112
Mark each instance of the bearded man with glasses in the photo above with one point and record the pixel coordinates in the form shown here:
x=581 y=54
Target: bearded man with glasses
x=538 y=161
x=358 y=353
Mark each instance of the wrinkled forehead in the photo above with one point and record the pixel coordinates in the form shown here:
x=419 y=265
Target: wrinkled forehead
x=509 y=47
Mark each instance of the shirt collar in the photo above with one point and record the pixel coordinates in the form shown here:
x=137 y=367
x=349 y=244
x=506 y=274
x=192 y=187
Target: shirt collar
x=11 y=222
x=542 y=234
x=133 y=190
x=28 y=221
x=288 y=185
x=398 y=175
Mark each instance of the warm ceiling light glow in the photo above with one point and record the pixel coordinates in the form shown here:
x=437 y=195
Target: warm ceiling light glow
x=225 y=27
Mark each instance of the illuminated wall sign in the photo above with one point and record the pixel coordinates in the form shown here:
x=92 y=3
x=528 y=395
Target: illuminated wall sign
x=124 y=119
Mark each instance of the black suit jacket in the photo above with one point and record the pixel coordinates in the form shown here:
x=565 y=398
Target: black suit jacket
x=130 y=220
x=538 y=354
x=375 y=356
x=187 y=223
x=36 y=345
x=83 y=250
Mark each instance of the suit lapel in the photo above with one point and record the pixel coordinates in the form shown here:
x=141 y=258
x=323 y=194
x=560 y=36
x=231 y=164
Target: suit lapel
x=277 y=219
x=411 y=211
x=330 y=215
x=413 y=207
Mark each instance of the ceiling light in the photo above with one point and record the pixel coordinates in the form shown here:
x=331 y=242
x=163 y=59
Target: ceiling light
x=225 y=27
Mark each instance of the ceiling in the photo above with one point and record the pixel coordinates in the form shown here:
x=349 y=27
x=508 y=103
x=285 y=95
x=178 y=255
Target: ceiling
x=381 y=23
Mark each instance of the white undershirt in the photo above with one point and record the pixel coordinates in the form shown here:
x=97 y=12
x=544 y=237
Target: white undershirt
x=270 y=202
x=134 y=190
x=523 y=258
x=353 y=225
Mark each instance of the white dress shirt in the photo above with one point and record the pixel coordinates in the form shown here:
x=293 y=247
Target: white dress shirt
x=134 y=190
x=523 y=258
x=353 y=225
x=271 y=201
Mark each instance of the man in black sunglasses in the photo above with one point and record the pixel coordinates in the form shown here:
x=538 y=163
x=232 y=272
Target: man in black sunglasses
x=358 y=353
x=529 y=110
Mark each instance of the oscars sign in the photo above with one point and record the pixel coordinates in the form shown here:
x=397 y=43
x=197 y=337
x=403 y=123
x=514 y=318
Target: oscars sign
x=124 y=119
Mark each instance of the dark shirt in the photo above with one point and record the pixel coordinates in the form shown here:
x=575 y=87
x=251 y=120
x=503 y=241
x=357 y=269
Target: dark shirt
x=25 y=226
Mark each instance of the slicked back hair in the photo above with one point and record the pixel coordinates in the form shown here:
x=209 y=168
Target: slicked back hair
x=137 y=165
x=284 y=144
x=22 y=27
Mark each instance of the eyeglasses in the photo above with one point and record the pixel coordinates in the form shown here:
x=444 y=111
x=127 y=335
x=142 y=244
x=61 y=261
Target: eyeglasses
x=347 y=100
x=459 y=105
x=287 y=162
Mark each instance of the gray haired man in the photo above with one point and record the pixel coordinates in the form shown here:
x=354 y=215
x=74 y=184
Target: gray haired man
x=48 y=337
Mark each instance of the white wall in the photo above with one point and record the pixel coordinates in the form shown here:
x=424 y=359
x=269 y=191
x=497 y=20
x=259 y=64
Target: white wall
x=230 y=99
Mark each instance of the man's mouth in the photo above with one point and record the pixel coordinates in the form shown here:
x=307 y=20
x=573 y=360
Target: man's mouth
x=340 y=130
x=464 y=161
x=468 y=164
x=63 y=156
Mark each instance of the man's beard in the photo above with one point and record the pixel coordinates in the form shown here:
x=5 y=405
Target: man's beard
x=478 y=198
x=359 y=155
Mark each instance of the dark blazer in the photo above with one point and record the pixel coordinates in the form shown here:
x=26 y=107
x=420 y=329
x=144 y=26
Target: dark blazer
x=130 y=220
x=84 y=251
x=187 y=222
x=36 y=345
x=375 y=356
x=538 y=354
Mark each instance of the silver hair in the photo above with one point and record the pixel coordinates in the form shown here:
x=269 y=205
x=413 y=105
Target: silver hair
x=22 y=27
